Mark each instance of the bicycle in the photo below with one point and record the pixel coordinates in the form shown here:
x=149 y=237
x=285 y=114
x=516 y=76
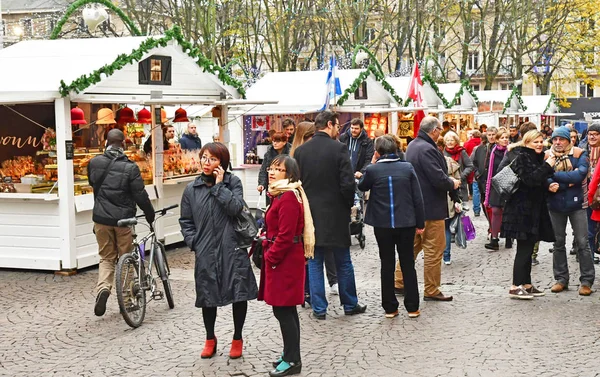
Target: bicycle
x=134 y=278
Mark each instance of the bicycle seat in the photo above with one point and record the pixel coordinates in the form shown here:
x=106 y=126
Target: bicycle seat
x=127 y=222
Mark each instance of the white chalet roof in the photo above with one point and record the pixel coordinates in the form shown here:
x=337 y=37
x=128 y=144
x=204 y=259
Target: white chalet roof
x=538 y=104
x=500 y=96
x=301 y=92
x=401 y=84
x=31 y=71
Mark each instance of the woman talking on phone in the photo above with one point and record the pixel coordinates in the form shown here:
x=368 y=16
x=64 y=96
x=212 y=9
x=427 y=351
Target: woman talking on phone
x=222 y=271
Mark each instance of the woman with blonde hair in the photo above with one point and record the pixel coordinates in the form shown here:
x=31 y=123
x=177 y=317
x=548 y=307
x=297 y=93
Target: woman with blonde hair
x=492 y=197
x=455 y=151
x=304 y=132
x=526 y=216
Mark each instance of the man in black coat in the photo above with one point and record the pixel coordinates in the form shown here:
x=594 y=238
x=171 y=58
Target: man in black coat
x=118 y=187
x=329 y=185
x=432 y=172
x=360 y=147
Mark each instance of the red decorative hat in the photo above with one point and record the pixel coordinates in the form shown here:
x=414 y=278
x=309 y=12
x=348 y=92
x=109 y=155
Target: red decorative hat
x=77 y=116
x=180 y=116
x=144 y=116
x=125 y=115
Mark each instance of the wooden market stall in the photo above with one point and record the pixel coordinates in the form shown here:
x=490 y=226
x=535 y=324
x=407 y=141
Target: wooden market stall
x=300 y=96
x=58 y=99
x=494 y=105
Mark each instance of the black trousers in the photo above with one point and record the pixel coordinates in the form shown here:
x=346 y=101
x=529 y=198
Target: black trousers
x=390 y=241
x=290 y=331
x=522 y=266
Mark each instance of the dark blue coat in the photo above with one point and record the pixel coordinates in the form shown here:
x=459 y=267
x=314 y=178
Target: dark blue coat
x=432 y=171
x=189 y=142
x=395 y=200
x=570 y=198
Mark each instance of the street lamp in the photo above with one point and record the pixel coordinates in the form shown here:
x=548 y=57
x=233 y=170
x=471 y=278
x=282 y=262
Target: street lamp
x=94 y=17
x=362 y=53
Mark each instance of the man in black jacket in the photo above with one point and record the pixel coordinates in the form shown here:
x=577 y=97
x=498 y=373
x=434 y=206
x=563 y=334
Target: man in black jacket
x=360 y=147
x=329 y=185
x=432 y=172
x=118 y=187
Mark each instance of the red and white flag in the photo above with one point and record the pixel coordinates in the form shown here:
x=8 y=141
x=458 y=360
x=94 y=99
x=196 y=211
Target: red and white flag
x=415 y=92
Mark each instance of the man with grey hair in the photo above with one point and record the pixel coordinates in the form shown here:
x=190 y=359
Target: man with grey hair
x=432 y=173
x=190 y=141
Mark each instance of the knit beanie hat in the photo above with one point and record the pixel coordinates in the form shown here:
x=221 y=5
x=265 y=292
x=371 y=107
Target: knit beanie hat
x=563 y=132
x=594 y=127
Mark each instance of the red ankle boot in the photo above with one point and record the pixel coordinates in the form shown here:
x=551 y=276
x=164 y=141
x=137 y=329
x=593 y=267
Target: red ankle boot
x=210 y=348
x=236 y=349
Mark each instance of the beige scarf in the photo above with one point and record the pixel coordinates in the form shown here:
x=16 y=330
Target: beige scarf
x=283 y=185
x=563 y=163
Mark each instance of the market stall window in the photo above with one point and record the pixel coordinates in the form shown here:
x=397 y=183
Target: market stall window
x=155 y=70
x=361 y=92
x=27 y=148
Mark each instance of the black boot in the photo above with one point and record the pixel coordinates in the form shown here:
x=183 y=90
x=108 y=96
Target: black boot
x=493 y=245
x=508 y=243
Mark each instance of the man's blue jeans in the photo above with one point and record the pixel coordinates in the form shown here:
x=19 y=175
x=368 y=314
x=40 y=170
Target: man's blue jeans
x=447 y=256
x=345 y=275
x=476 y=198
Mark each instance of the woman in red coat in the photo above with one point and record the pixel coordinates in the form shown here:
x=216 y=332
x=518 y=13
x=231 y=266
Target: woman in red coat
x=282 y=273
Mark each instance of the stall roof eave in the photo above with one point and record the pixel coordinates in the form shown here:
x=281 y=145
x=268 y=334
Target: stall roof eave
x=375 y=109
x=14 y=98
x=273 y=110
x=70 y=67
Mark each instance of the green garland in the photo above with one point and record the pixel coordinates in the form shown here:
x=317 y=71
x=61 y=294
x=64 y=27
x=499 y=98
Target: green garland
x=428 y=79
x=514 y=92
x=552 y=99
x=85 y=81
x=79 y=3
x=371 y=69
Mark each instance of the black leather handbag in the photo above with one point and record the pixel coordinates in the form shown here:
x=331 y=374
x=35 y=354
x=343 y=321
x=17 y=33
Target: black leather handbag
x=246 y=228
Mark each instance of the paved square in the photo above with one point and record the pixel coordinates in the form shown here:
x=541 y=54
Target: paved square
x=47 y=327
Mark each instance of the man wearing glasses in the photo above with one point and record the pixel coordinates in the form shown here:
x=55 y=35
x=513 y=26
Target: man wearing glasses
x=328 y=181
x=432 y=173
x=592 y=146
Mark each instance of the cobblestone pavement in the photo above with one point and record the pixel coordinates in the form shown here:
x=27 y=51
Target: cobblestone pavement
x=47 y=327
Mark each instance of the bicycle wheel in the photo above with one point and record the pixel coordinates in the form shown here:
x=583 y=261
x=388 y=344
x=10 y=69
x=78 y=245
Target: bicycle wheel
x=130 y=295
x=163 y=271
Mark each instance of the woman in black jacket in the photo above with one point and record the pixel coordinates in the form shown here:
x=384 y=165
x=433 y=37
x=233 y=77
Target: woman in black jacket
x=396 y=212
x=526 y=217
x=280 y=146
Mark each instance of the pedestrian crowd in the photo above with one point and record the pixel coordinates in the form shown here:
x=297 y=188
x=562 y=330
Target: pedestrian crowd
x=312 y=176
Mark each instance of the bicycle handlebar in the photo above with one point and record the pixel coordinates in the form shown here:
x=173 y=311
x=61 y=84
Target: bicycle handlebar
x=162 y=212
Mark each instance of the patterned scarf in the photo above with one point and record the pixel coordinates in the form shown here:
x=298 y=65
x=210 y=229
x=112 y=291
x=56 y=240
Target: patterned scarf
x=283 y=185
x=563 y=163
x=488 y=183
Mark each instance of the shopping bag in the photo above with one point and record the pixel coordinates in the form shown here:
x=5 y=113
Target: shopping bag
x=460 y=239
x=454 y=223
x=468 y=227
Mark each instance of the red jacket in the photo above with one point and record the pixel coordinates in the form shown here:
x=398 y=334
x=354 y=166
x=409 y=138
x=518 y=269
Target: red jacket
x=471 y=144
x=592 y=190
x=282 y=273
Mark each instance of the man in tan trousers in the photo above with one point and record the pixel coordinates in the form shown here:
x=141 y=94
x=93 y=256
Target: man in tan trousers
x=430 y=166
x=118 y=187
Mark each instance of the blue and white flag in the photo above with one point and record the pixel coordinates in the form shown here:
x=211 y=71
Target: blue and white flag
x=332 y=84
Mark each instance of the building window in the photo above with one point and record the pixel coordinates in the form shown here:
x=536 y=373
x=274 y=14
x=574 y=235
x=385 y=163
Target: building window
x=586 y=90
x=27 y=27
x=3 y=28
x=475 y=31
x=370 y=35
x=473 y=61
x=506 y=86
x=155 y=70
x=475 y=87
